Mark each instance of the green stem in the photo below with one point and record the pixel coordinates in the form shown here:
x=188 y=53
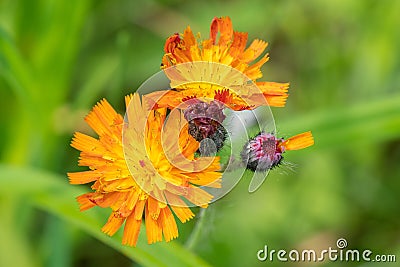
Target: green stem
x=198 y=228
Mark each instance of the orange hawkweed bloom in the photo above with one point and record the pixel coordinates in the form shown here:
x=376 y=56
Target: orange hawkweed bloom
x=230 y=50
x=133 y=176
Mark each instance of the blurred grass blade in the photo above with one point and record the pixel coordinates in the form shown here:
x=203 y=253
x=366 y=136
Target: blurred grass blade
x=373 y=121
x=49 y=192
x=14 y=248
x=13 y=67
x=101 y=73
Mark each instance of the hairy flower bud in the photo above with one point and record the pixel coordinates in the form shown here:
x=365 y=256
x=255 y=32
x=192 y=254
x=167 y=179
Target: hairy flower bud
x=262 y=152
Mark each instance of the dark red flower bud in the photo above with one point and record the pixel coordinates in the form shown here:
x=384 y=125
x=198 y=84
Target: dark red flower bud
x=205 y=122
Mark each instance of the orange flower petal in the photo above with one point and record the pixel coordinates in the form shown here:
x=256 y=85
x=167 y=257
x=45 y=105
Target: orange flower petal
x=224 y=27
x=255 y=49
x=131 y=230
x=299 y=141
x=153 y=207
x=238 y=44
x=101 y=118
x=254 y=71
x=85 y=201
x=276 y=101
x=113 y=224
x=188 y=38
x=183 y=213
x=139 y=208
x=107 y=200
x=153 y=228
x=198 y=196
x=171 y=43
x=169 y=228
x=83 y=177
x=83 y=142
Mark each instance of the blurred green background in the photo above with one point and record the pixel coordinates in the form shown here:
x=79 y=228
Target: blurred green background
x=58 y=58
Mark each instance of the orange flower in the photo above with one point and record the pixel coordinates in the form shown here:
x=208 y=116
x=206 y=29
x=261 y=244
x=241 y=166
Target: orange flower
x=229 y=50
x=137 y=174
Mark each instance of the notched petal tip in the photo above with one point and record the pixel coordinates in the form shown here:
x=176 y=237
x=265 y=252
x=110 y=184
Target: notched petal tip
x=85 y=201
x=113 y=224
x=299 y=141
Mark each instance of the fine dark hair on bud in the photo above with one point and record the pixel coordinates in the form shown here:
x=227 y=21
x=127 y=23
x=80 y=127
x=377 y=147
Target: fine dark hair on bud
x=262 y=152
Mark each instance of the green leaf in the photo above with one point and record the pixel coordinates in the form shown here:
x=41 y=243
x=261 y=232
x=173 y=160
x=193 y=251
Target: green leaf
x=51 y=193
x=13 y=242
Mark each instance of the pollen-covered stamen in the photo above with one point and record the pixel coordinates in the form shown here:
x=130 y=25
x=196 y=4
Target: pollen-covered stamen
x=262 y=152
x=205 y=122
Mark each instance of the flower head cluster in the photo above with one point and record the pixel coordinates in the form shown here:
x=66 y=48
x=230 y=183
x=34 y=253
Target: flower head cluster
x=152 y=165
